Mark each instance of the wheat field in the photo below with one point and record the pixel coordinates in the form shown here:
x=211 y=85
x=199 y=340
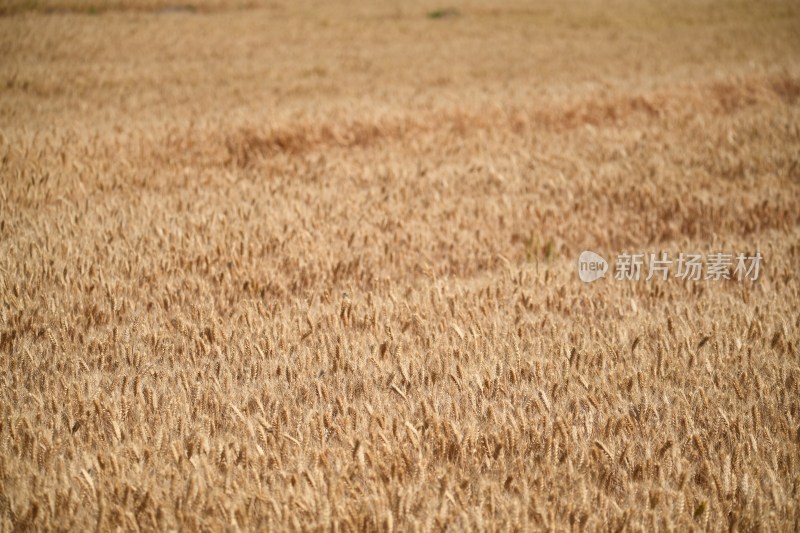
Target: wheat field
x=300 y=266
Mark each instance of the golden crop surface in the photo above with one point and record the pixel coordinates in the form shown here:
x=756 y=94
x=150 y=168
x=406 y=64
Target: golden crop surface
x=304 y=265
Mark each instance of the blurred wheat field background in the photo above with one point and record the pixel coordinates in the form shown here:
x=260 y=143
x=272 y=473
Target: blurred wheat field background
x=273 y=265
